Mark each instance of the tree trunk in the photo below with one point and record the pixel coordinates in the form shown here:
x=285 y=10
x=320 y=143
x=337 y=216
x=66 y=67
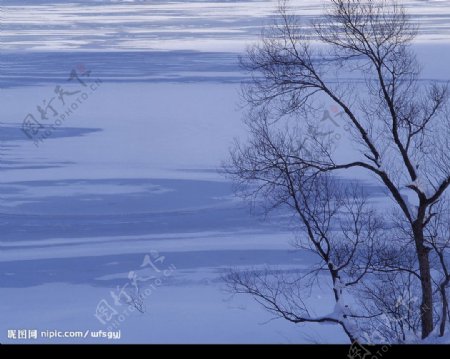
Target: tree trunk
x=426 y=307
x=444 y=308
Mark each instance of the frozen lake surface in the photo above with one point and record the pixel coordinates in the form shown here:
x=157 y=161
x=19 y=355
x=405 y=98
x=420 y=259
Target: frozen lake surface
x=132 y=169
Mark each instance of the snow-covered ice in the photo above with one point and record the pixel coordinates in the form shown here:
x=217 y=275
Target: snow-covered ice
x=134 y=169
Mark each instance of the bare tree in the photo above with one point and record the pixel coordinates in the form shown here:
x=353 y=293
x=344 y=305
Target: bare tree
x=438 y=237
x=336 y=223
x=399 y=126
x=395 y=295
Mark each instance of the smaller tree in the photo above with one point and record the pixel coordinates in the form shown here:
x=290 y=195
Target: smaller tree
x=438 y=238
x=336 y=224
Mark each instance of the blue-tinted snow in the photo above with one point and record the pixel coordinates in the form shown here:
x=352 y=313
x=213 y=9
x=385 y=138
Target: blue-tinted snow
x=135 y=168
